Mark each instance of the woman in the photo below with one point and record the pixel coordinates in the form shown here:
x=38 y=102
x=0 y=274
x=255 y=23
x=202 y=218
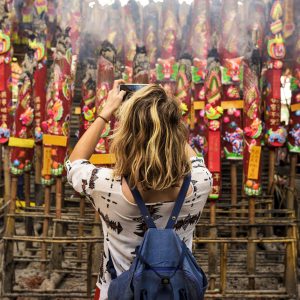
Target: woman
x=151 y=150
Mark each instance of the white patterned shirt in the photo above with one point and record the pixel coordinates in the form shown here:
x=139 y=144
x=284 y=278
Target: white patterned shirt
x=122 y=223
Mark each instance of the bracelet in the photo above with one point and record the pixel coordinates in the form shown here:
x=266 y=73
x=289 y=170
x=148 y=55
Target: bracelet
x=105 y=120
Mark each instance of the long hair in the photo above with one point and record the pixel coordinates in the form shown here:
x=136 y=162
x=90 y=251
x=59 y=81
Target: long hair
x=150 y=139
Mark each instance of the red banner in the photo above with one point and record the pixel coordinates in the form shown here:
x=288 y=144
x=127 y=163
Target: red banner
x=276 y=134
x=21 y=155
x=198 y=45
x=6 y=51
x=252 y=132
x=58 y=107
x=105 y=80
x=294 y=122
x=213 y=114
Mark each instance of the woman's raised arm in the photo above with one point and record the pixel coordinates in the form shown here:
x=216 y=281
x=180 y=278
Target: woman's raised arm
x=87 y=143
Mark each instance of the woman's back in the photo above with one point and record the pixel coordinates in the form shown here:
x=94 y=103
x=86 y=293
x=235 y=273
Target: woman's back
x=122 y=223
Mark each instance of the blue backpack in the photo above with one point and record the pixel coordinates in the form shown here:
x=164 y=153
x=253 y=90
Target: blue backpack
x=164 y=268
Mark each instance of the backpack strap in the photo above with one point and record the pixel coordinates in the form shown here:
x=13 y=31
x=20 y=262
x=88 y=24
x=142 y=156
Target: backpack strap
x=143 y=208
x=179 y=201
x=110 y=267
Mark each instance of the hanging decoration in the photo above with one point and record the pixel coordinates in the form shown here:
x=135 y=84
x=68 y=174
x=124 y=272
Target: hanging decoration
x=116 y=37
x=167 y=67
x=288 y=24
x=40 y=73
x=41 y=6
x=213 y=114
x=88 y=109
x=51 y=22
x=252 y=127
x=294 y=122
x=151 y=37
x=141 y=66
x=198 y=45
x=232 y=78
x=56 y=125
x=21 y=140
x=183 y=87
x=105 y=80
x=6 y=52
x=130 y=41
x=276 y=133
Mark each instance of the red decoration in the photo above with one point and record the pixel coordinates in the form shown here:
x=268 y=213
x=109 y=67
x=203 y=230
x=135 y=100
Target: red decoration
x=105 y=79
x=59 y=103
x=5 y=98
x=88 y=110
x=252 y=130
x=40 y=77
x=275 y=133
x=21 y=158
x=130 y=41
x=213 y=113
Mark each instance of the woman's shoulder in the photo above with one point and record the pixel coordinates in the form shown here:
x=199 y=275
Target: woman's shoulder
x=201 y=177
x=197 y=163
x=85 y=164
x=85 y=169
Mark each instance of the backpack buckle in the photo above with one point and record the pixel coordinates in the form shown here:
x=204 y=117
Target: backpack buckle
x=165 y=280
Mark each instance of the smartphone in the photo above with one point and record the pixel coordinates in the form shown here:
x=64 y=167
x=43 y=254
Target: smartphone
x=130 y=88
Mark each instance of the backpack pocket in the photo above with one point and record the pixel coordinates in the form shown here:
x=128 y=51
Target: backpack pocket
x=119 y=288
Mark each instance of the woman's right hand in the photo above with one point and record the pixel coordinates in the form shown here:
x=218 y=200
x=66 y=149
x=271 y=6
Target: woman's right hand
x=114 y=100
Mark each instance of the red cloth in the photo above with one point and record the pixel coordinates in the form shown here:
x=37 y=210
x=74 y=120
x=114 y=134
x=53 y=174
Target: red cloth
x=97 y=294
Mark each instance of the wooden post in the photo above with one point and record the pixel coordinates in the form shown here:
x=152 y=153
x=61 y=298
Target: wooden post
x=223 y=267
x=212 y=247
x=97 y=248
x=38 y=174
x=292 y=186
x=251 y=255
x=8 y=261
x=291 y=264
x=291 y=249
x=7 y=179
x=1 y=166
x=271 y=173
x=57 y=253
x=45 y=224
x=28 y=221
x=243 y=194
x=81 y=227
x=233 y=175
x=58 y=198
x=89 y=268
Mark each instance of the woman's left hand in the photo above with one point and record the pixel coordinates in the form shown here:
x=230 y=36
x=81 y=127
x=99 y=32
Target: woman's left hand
x=114 y=99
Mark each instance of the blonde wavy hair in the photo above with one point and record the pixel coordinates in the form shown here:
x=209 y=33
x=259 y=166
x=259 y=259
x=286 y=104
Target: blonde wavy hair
x=150 y=139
